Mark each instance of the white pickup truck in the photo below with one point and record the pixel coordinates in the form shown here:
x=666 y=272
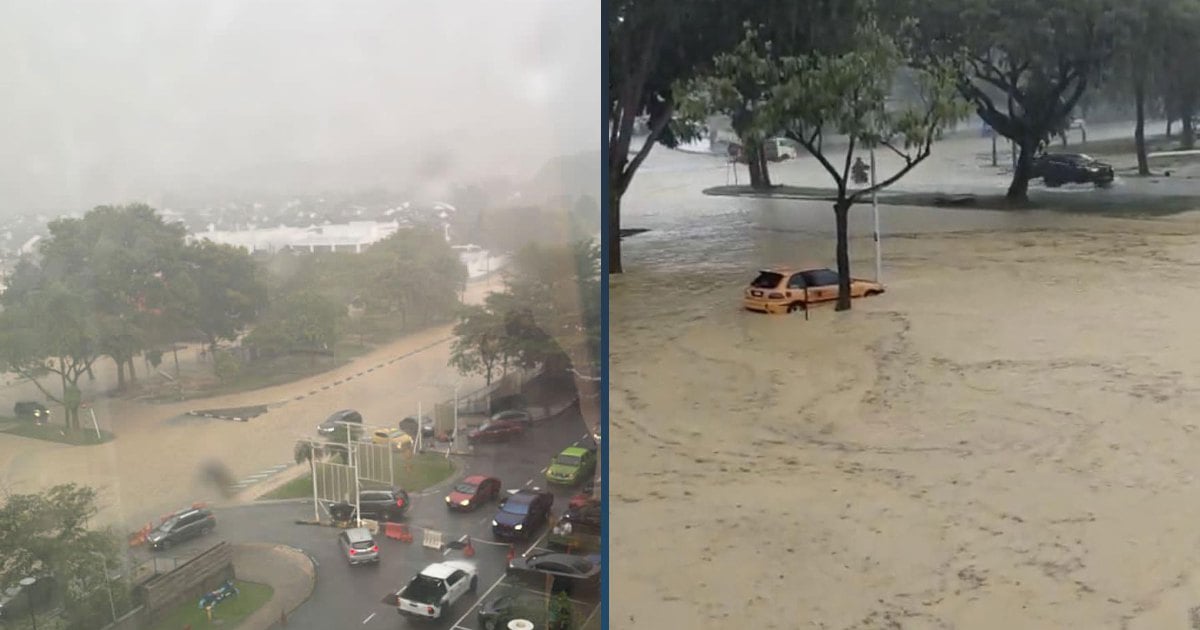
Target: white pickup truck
x=436 y=589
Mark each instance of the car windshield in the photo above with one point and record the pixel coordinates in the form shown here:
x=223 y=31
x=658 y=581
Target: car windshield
x=363 y=544
x=465 y=488
x=567 y=460
x=424 y=589
x=767 y=280
x=519 y=508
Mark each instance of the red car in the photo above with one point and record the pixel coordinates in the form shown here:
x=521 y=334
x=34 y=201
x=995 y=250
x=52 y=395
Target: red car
x=496 y=431
x=472 y=492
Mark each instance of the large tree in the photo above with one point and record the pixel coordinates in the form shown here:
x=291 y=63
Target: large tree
x=1179 y=37
x=847 y=94
x=480 y=340
x=47 y=535
x=50 y=330
x=215 y=291
x=415 y=275
x=657 y=45
x=1028 y=62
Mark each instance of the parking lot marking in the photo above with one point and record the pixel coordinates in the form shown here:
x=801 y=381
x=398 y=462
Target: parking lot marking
x=534 y=545
x=369 y=617
x=479 y=599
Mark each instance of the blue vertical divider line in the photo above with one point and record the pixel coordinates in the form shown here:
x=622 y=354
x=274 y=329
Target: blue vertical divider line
x=606 y=520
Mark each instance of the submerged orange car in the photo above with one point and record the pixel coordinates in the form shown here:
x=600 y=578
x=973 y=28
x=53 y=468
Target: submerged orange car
x=784 y=290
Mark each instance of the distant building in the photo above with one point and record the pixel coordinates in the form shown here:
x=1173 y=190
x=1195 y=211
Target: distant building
x=347 y=237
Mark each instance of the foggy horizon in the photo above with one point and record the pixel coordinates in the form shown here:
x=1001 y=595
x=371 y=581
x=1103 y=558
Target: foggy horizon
x=137 y=100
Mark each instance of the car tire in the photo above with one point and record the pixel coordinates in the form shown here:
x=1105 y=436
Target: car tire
x=1051 y=183
x=474 y=583
x=164 y=545
x=796 y=306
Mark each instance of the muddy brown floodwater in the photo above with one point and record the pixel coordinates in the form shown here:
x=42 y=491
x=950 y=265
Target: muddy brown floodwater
x=1006 y=439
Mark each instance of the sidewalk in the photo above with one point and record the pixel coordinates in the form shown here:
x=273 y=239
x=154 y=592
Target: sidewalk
x=286 y=569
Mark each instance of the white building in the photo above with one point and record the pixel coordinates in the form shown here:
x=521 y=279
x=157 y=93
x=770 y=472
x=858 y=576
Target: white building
x=347 y=237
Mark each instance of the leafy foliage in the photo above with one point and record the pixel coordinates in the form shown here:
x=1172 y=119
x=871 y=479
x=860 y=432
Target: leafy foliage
x=300 y=322
x=47 y=534
x=1027 y=62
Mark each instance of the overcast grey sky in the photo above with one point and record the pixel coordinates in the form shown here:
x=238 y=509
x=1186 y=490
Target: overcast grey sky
x=116 y=100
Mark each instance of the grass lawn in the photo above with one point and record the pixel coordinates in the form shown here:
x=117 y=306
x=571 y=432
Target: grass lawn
x=226 y=614
x=58 y=433
x=427 y=469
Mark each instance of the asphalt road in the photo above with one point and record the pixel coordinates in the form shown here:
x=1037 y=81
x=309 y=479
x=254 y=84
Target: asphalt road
x=348 y=596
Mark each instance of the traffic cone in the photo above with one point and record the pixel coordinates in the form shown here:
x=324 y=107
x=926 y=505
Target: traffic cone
x=512 y=552
x=469 y=550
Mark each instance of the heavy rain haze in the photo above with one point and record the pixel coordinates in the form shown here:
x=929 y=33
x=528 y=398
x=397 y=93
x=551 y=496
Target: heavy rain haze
x=121 y=100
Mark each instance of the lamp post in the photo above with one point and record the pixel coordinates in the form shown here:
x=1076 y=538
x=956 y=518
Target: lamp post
x=875 y=212
x=26 y=584
x=112 y=607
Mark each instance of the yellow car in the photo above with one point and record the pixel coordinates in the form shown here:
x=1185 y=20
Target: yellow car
x=784 y=289
x=400 y=440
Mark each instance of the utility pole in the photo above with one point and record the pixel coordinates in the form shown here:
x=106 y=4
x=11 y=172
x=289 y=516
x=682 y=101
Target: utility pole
x=875 y=211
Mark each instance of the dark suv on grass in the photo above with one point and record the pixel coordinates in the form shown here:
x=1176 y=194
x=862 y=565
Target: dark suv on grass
x=1057 y=169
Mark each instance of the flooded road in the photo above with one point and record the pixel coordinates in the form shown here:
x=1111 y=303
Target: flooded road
x=1005 y=439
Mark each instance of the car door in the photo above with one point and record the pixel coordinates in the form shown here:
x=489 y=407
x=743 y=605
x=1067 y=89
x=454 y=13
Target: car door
x=189 y=526
x=795 y=287
x=822 y=284
x=456 y=584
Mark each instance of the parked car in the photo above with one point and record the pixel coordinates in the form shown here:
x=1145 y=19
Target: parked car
x=1057 y=169
x=182 y=526
x=496 y=431
x=571 y=466
x=30 y=410
x=578 y=529
x=435 y=590
x=398 y=439
x=472 y=492
x=786 y=290
x=334 y=423
x=514 y=415
x=15 y=601
x=383 y=505
x=358 y=546
x=521 y=514
x=566 y=572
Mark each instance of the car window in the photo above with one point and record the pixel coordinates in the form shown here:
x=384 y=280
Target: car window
x=821 y=277
x=519 y=508
x=364 y=544
x=567 y=460
x=465 y=488
x=766 y=280
x=455 y=577
x=796 y=281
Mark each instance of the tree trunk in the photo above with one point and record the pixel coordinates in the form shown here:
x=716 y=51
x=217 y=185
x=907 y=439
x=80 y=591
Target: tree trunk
x=1139 y=130
x=1018 y=191
x=841 y=211
x=175 y=351
x=614 y=232
x=1188 y=139
x=120 y=374
x=756 y=160
x=132 y=372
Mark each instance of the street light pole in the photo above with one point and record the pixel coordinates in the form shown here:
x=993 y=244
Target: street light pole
x=26 y=584
x=112 y=607
x=875 y=211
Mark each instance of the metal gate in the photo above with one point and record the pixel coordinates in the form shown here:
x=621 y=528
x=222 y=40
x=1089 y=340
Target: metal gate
x=375 y=462
x=334 y=482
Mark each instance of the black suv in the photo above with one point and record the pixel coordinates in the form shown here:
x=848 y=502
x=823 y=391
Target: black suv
x=332 y=424
x=521 y=514
x=182 y=526
x=383 y=505
x=28 y=410
x=1057 y=169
